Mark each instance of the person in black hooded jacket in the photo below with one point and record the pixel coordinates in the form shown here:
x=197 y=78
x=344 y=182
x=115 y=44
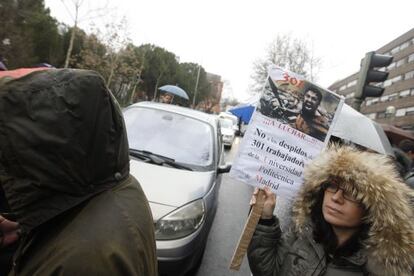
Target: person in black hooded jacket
x=64 y=167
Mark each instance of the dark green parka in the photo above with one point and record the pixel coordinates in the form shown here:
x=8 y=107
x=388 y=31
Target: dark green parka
x=64 y=167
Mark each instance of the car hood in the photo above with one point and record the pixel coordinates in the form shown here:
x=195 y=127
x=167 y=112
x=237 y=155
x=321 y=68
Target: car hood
x=170 y=187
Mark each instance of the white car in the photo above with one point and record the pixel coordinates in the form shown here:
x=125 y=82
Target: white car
x=234 y=119
x=178 y=158
x=230 y=116
x=228 y=132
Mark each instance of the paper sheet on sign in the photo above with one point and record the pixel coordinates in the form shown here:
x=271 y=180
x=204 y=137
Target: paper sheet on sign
x=289 y=127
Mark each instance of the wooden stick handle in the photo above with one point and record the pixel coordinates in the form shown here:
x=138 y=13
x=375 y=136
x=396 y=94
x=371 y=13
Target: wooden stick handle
x=248 y=231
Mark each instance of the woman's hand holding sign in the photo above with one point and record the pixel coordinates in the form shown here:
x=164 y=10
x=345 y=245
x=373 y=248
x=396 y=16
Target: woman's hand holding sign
x=269 y=201
x=263 y=203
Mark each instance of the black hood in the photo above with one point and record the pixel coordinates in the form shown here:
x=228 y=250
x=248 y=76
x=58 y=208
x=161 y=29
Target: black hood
x=62 y=140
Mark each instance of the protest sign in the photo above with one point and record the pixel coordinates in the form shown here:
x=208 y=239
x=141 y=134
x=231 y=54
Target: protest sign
x=290 y=126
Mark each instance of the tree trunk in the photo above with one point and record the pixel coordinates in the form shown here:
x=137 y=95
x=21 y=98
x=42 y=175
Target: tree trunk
x=131 y=98
x=111 y=74
x=69 y=52
x=72 y=38
x=156 y=88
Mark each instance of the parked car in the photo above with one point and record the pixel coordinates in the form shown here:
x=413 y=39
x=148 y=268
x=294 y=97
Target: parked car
x=228 y=131
x=236 y=121
x=230 y=116
x=177 y=156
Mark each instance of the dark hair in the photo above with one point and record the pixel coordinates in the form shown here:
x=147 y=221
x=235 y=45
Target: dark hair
x=402 y=161
x=324 y=234
x=316 y=91
x=406 y=145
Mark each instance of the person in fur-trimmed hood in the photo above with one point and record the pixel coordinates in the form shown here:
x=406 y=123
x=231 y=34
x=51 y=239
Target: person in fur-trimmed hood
x=352 y=216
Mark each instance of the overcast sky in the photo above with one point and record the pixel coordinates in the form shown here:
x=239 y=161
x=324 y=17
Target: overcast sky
x=226 y=37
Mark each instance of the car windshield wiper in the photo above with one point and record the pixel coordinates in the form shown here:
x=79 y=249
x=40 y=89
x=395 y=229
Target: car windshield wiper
x=157 y=159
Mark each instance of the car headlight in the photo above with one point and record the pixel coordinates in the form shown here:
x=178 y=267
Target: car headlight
x=181 y=222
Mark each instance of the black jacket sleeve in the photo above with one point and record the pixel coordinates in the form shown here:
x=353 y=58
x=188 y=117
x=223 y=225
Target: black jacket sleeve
x=268 y=248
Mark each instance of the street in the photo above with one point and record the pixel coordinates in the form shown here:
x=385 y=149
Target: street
x=231 y=216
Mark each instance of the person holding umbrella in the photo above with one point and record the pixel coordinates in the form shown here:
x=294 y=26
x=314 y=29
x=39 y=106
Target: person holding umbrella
x=352 y=216
x=170 y=91
x=166 y=98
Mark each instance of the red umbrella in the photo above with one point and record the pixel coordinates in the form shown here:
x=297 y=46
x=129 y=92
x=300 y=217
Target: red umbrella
x=20 y=72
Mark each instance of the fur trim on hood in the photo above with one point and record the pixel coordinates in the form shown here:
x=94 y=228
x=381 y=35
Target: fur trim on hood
x=372 y=179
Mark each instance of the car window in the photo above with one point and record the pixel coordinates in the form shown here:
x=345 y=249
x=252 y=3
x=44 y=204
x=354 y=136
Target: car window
x=182 y=138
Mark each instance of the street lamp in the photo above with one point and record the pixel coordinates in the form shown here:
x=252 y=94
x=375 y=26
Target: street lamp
x=390 y=113
x=196 y=86
x=390 y=110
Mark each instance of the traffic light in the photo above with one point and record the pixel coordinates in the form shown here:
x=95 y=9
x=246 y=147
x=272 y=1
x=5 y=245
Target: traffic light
x=368 y=74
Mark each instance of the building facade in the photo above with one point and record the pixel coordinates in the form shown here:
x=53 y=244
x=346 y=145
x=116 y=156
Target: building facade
x=216 y=86
x=212 y=103
x=396 y=105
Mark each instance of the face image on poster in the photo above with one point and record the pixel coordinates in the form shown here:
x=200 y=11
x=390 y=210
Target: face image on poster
x=291 y=126
x=292 y=100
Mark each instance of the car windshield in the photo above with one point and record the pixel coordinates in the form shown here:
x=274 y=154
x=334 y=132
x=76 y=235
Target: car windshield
x=226 y=123
x=184 y=139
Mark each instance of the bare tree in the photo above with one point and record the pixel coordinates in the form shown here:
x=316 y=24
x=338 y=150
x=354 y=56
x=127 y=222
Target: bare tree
x=116 y=38
x=78 y=17
x=314 y=65
x=109 y=51
x=289 y=53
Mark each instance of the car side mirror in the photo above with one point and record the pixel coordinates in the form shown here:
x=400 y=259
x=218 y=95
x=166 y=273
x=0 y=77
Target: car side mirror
x=224 y=168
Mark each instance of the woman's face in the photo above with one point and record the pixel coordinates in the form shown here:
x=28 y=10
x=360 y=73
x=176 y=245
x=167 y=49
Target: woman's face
x=340 y=209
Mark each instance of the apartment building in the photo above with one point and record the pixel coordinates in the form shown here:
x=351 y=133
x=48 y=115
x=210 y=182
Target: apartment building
x=396 y=105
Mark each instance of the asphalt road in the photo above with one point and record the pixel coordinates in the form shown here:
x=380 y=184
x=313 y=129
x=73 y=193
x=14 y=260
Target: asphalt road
x=233 y=207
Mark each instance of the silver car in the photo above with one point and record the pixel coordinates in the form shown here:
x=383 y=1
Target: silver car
x=177 y=156
x=228 y=131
